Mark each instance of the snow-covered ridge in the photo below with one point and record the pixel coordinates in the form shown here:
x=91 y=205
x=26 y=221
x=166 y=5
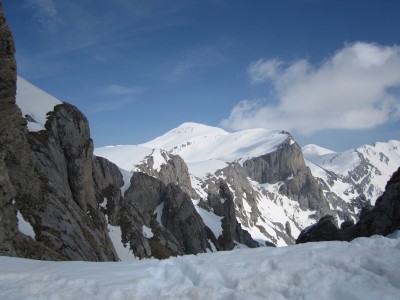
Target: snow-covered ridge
x=368 y=167
x=34 y=104
x=205 y=149
x=385 y=156
x=196 y=142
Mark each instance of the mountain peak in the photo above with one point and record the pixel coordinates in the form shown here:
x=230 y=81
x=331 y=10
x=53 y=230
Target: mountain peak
x=183 y=134
x=193 y=128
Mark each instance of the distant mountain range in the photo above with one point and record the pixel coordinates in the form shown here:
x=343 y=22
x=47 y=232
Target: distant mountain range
x=361 y=172
x=253 y=187
x=348 y=180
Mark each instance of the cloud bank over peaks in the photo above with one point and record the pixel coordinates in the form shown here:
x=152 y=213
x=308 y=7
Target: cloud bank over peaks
x=357 y=88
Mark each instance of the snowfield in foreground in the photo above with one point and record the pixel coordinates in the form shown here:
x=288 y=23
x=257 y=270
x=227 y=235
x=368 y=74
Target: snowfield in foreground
x=367 y=268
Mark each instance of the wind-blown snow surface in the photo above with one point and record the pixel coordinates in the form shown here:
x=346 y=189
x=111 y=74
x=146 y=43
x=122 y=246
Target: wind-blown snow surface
x=366 y=268
x=35 y=103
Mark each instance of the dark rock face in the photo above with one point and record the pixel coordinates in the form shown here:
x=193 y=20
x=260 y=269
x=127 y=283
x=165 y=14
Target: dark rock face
x=325 y=230
x=180 y=218
x=15 y=166
x=382 y=219
x=10 y=125
x=63 y=206
x=179 y=229
x=47 y=176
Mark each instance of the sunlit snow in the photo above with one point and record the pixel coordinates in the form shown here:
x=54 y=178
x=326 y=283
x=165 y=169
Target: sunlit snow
x=24 y=226
x=123 y=251
x=366 y=268
x=35 y=103
x=211 y=220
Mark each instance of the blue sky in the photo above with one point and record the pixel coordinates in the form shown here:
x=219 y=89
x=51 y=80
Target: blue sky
x=327 y=71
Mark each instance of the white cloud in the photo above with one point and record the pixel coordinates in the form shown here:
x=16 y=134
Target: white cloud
x=262 y=70
x=350 y=90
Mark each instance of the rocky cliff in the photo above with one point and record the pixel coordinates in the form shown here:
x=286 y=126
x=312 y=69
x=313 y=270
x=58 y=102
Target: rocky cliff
x=286 y=164
x=14 y=154
x=45 y=180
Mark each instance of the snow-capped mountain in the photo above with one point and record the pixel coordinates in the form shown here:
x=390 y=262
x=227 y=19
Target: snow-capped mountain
x=268 y=201
x=356 y=173
x=205 y=149
x=215 y=157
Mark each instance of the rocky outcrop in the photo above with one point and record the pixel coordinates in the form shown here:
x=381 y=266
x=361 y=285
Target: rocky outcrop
x=222 y=202
x=286 y=164
x=16 y=169
x=64 y=207
x=166 y=210
x=46 y=179
x=278 y=165
x=173 y=170
x=325 y=230
x=304 y=188
x=382 y=219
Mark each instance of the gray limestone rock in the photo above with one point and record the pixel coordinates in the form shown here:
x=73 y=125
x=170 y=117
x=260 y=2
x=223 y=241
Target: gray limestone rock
x=278 y=165
x=286 y=164
x=174 y=171
x=17 y=173
x=65 y=208
x=222 y=202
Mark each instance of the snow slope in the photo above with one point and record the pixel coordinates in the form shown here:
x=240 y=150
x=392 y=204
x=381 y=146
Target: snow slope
x=124 y=156
x=366 y=268
x=34 y=103
x=196 y=142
